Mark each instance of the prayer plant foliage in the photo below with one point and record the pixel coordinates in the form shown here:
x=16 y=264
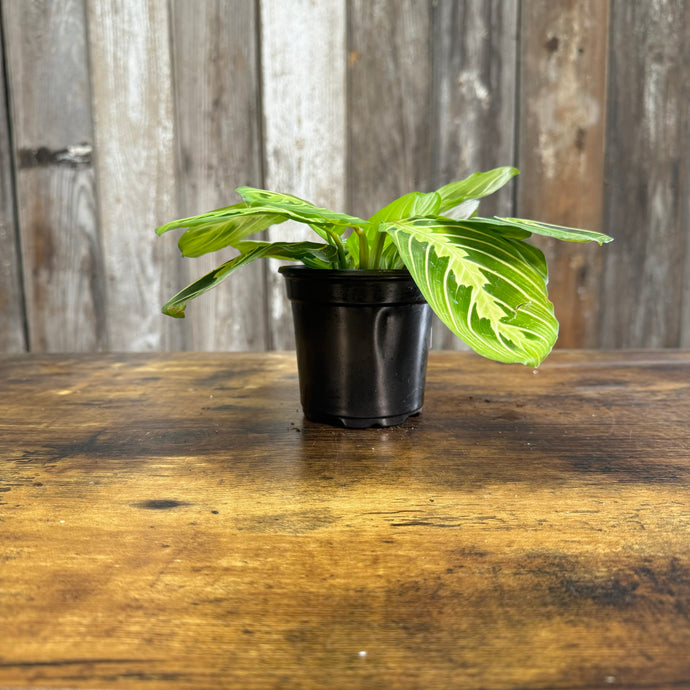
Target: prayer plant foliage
x=478 y=274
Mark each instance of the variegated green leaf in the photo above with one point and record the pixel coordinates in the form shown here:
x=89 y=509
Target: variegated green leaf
x=488 y=289
x=408 y=206
x=201 y=219
x=212 y=236
x=209 y=232
x=560 y=232
x=307 y=252
x=498 y=227
x=297 y=208
x=311 y=254
x=476 y=186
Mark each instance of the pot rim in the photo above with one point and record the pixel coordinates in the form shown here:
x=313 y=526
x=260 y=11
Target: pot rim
x=348 y=273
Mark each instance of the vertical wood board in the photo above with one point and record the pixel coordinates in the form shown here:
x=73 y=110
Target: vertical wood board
x=12 y=337
x=303 y=76
x=683 y=181
x=562 y=125
x=474 y=77
x=218 y=147
x=474 y=69
x=50 y=101
x=131 y=76
x=646 y=203
x=389 y=101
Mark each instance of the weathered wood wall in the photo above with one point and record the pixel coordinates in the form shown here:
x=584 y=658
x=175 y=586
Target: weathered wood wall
x=118 y=115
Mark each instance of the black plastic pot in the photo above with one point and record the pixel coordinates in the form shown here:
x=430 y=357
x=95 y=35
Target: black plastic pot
x=362 y=341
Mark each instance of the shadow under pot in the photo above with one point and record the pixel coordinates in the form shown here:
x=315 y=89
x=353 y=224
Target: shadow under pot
x=362 y=340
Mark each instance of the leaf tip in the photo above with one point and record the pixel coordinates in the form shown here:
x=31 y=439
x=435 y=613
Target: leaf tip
x=174 y=311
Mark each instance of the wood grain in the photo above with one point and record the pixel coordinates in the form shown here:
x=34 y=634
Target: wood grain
x=129 y=43
x=647 y=156
x=474 y=53
x=562 y=133
x=171 y=521
x=474 y=65
x=12 y=334
x=218 y=137
x=47 y=68
x=389 y=101
x=303 y=87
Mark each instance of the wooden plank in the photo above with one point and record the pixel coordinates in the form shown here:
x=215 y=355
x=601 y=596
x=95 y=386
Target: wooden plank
x=169 y=521
x=56 y=196
x=12 y=335
x=303 y=76
x=561 y=138
x=648 y=149
x=215 y=54
x=389 y=101
x=473 y=123
x=131 y=76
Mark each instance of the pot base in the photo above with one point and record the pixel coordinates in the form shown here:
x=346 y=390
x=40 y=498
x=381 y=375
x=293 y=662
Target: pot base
x=362 y=422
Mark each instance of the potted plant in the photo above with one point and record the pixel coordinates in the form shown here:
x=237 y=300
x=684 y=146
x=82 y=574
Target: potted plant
x=362 y=292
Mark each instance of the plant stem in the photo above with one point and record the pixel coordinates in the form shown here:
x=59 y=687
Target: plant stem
x=363 y=248
x=378 y=249
x=337 y=243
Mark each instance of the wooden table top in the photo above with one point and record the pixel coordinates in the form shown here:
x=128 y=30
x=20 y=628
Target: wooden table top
x=172 y=521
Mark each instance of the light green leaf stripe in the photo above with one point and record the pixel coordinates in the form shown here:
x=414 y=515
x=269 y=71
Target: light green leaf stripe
x=485 y=288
